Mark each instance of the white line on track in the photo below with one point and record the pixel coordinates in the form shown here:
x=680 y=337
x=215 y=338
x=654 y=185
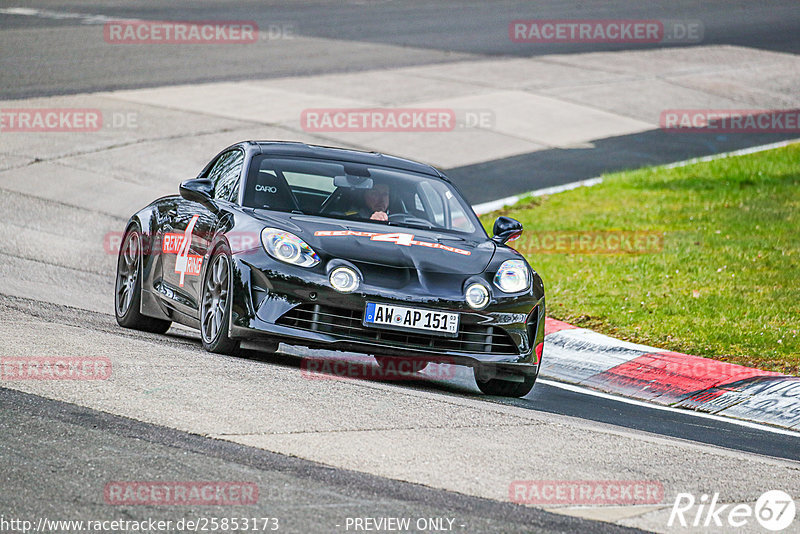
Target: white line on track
x=683 y=411
x=492 y=205
x=487 y=207
x=84 y=18
x=741 y=152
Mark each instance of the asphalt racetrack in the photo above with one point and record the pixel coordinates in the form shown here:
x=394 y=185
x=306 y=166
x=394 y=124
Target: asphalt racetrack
x=325 y=452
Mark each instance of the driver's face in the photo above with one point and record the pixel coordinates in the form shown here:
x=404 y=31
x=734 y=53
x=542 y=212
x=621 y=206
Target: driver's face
x=377 y=198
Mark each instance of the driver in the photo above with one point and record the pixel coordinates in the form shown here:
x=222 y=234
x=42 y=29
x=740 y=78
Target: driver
x=376 y=203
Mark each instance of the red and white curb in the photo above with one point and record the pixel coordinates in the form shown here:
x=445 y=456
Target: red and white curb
x=583 y=357
x=580 y=356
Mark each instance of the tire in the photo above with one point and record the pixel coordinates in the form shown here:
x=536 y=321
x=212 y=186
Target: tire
x=506 y=388
x=215 y=304
x=389 y=362
x=128 y=287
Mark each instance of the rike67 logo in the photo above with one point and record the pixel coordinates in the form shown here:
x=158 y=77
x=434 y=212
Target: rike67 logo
x=774 y=510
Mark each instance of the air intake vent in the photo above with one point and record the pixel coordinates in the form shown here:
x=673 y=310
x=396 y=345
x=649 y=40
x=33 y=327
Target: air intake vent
x=346 y=325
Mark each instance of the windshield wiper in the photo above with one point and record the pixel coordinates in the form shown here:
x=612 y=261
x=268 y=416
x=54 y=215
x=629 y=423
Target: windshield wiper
x=422 y=226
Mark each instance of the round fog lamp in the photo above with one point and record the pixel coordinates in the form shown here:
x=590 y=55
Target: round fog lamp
x=344 y=279
x=477 y=296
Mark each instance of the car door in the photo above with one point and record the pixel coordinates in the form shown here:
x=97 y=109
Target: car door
x=189 y=230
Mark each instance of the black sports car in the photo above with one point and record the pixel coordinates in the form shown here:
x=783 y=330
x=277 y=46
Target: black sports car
x=332 y=248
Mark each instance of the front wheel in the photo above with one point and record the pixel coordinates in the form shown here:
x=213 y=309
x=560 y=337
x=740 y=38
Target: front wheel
x=215 y=306
x=506 y=388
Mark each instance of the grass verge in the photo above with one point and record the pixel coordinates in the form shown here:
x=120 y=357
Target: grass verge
x=716 y=268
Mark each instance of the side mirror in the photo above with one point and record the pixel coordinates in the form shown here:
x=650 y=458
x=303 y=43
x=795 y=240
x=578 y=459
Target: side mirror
x=200 y=190
x=505 y=229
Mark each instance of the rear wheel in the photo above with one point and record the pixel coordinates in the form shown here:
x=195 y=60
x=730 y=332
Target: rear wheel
x=505 y=388
x=215 y=306
x=128 y=289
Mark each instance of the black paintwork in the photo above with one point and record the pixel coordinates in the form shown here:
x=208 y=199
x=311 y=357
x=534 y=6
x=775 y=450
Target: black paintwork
x=269 y=295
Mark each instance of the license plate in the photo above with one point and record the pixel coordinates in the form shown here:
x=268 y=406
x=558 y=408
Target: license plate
x=413 y=319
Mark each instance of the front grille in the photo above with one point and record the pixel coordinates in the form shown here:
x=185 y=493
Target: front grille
x=346 y=324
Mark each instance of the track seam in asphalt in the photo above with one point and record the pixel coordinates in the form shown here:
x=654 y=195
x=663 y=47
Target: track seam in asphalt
x=261 y=459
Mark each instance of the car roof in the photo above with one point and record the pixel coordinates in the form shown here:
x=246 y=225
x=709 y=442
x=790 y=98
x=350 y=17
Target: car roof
x=298 y=149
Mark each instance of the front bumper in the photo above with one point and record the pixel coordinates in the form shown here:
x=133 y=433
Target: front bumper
x=274 y=302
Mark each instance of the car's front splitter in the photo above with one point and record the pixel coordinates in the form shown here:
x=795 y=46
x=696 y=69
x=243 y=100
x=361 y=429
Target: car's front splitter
x=272 y=305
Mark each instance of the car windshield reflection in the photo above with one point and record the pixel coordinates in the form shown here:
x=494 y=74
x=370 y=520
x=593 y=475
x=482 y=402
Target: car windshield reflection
x=352 y=191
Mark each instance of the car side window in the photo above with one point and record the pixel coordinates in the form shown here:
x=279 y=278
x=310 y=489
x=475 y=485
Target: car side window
x=435 y=201
x=226 y=174
x=459 y=219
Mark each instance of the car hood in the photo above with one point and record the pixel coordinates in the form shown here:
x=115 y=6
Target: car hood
x=391 y=246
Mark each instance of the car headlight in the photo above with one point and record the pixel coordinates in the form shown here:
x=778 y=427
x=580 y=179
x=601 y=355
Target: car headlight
x=477 y=296
x=287 y=247
x=513 y=276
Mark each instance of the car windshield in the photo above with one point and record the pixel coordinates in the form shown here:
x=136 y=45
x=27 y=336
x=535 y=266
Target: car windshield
x=354 y=191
